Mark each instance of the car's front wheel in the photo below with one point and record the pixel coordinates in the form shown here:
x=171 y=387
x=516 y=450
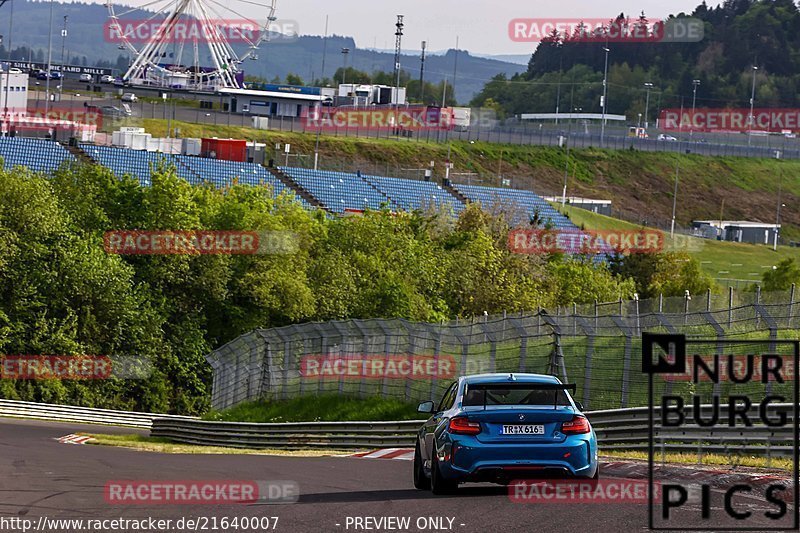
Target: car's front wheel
x=440 y=485
x=421 y=481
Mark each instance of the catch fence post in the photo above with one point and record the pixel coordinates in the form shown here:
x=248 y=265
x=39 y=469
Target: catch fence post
x=730 y=307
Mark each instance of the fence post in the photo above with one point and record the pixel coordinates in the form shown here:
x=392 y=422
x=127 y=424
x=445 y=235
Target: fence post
x=708 y=300
x=661 y=303
x=730 y=307
x=596 y=312
x=620 y=306
x=791 y=304
x=539 y=321
x=574 y=319
x=686 y=299
x=758 y=302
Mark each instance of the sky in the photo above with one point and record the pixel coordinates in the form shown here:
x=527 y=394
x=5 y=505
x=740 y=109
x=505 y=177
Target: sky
x=481 y=26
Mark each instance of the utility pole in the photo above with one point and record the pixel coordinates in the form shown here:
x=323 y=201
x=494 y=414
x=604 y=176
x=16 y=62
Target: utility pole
x=422 y=74
x=345 y=51
x=677 y=176
x=675 y=199
x=63 y=45
x=324 y=48
x=695 y=83
x=569 y=134
x=49 y=60
x=648 y=86
x=780 y=204
x=752 y=103
x=605 y=98
x=560 y=73
x=455 y=69
x=398 y=46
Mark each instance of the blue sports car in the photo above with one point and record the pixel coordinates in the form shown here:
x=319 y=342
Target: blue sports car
x=500 y=428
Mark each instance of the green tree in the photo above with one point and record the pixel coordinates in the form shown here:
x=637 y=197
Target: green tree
x=782 y=276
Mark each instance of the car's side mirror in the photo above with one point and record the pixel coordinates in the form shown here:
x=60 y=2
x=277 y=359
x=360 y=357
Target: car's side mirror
x=425 y=407
x=579 y=405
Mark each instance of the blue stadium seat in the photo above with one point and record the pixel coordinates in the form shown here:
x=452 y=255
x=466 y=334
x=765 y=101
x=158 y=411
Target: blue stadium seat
x=411 y=195
x=138 y=164
x=521 y=208
x=223 y=173
x=39 y=155
x=338 y=191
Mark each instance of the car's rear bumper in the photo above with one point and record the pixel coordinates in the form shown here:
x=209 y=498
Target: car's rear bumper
x=464 y=460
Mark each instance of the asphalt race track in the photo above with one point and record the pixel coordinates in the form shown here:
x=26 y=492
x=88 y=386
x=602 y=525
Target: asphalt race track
x=41 y=477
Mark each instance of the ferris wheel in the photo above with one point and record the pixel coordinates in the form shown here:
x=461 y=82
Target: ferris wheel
x=192 y=44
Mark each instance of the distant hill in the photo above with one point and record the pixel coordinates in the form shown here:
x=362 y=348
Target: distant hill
x=302 y=57
x=738 y=34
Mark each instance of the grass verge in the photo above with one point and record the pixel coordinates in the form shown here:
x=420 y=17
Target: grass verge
x=323 y=408
x=159 y=445
x=689 y=459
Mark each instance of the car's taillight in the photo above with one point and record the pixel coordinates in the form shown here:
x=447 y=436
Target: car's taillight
x=461 y=425
x=576 y=426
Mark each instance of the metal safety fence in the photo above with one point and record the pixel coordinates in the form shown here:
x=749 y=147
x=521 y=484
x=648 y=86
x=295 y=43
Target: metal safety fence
x=597 y=346
x=617 y=430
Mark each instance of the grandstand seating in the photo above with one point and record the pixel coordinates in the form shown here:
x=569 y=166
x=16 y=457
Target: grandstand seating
x=195 y=170
x=339 y=191
x=135 y=163
x=520 y=206
x=222 y=173
x=410 y=195
x=37 y=154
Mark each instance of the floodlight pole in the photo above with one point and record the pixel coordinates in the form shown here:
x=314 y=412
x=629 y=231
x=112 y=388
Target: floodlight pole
x=49 y=60
x=605 y=99
x=695 y=83
x=751 y=118
x=778 y=218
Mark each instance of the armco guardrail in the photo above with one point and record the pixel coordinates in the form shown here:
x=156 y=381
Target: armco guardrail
x=82 y=415
x=629 y=429
x=617 y=429
x=341 y=435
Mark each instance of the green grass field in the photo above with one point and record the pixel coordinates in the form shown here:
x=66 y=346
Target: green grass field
x=722 y=260
x=325 y=407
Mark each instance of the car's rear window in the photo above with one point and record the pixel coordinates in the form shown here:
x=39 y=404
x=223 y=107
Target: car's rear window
x=500 y=395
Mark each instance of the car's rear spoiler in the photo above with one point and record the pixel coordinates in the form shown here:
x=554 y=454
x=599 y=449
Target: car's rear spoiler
x=517 y=385
x=522 y=385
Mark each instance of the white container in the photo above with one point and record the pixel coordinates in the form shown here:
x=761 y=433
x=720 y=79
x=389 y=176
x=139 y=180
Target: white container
x=260 y=123
x=191 y=146
x=139 y=141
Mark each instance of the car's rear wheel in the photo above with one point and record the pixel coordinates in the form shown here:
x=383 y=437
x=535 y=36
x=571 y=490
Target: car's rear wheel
x=438 y=484
x=421 y=481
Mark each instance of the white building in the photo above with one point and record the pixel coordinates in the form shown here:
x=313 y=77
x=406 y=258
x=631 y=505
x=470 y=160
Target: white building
x=13 y=92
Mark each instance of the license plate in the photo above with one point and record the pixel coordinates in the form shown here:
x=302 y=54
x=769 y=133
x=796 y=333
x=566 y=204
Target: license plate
x=523 y=430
